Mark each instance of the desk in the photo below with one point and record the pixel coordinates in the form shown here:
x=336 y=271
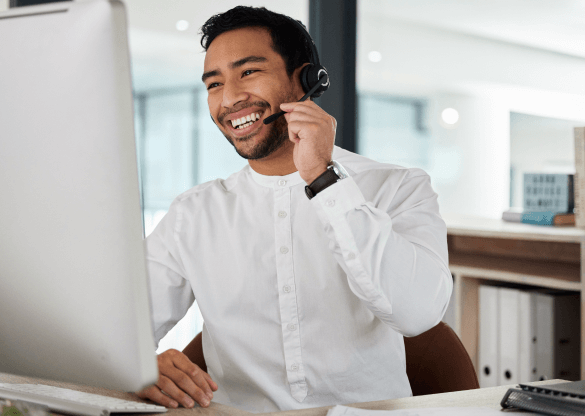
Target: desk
x=483 y=250
x=488 y=397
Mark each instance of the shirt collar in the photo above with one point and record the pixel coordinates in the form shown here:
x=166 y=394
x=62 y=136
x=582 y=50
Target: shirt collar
x=276 y=181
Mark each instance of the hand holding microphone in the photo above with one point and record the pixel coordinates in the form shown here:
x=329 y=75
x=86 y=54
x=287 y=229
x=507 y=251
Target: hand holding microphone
x=312 y=130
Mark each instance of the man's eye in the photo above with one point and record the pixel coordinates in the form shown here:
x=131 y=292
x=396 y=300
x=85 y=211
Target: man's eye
x=212 y=85
x=249 y=71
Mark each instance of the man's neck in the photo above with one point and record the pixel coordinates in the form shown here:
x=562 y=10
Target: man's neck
x=279 y=163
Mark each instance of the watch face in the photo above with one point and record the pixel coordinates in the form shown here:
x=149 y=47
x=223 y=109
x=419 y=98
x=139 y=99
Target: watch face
x=339 y=169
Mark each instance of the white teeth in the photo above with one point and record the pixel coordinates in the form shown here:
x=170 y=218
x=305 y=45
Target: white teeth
x=243 y=126
x=245 y=121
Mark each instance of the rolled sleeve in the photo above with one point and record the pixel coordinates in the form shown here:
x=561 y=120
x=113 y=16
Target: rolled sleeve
x=394 y=253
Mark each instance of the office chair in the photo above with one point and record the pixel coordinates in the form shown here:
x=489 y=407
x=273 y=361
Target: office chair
x=436 y=361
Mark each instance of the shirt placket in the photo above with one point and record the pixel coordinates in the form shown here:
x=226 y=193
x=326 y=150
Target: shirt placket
x=287 y=294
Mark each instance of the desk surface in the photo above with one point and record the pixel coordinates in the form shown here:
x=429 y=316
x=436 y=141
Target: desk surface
x=489 y=397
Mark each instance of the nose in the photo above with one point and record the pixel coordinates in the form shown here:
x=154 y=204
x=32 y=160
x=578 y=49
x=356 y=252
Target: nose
x=233 y=93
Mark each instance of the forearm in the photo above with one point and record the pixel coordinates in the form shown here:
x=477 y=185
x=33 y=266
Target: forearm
x=194 y=351
x=393 y=251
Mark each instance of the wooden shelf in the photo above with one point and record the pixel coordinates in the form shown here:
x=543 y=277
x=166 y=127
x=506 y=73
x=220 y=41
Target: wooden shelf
x=496 y=228
x=488 y=251
x=555 y=273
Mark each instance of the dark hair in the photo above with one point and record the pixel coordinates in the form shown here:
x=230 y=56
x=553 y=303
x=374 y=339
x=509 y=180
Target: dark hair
x=287 y=39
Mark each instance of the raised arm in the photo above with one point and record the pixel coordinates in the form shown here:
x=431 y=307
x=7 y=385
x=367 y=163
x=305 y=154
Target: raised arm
x=388 y=236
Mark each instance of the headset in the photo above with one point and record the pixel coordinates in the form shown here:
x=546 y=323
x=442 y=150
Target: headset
x=312 y=73
x=314 y=77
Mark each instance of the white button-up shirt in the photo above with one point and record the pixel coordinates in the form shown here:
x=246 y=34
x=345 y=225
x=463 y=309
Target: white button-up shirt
x=305 y=302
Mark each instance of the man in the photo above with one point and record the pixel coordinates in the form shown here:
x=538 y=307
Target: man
x=305 y=301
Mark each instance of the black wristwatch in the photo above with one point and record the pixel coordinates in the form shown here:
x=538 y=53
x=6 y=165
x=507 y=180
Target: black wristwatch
x=334 y=173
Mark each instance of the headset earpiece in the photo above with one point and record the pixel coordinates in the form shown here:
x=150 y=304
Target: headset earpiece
x=310 y=75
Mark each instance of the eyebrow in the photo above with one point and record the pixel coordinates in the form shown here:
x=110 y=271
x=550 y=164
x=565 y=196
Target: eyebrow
x=234 y=65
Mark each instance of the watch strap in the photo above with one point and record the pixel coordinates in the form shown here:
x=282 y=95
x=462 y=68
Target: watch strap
x=326 y=179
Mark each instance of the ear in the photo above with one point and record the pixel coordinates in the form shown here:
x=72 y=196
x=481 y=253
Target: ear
x=297 y=80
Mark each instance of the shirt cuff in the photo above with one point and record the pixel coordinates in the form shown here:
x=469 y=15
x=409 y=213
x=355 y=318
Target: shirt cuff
x=339 y=198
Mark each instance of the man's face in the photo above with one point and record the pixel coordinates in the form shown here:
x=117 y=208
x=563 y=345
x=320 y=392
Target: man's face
x=245 y=77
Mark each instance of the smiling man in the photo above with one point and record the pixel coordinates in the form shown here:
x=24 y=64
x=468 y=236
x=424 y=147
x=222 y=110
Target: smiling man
x=306 y=294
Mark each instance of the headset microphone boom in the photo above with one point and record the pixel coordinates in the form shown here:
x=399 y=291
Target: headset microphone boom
x=324 y=79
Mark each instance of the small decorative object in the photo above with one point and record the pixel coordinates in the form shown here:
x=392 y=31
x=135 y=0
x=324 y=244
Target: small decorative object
x=548 y=192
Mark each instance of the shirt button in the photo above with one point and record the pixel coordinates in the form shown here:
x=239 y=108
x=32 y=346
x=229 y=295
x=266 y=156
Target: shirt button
x=291 y=327
x=283 y=250
x=286 y=288
x=351 y=256
x=282 y=182
x=282 y=214
x=294 y=367
x=330 y=203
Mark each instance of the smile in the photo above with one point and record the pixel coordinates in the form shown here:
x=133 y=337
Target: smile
x=247 y=121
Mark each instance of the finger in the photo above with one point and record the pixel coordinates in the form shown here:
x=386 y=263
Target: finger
x=308 y=129
x=307 y=117
x=304 y=106
x=169 y=387
x=212 y=383
x=153 y=393
x=189 y=381
x=313 y=122
x=185 y=388
x=202 y=383
x=185 y=365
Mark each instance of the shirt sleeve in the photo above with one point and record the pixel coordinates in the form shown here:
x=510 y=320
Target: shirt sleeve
x=394 y=252
x=170 y=292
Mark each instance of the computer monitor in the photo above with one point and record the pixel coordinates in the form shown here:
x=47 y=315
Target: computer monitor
x=74 y=301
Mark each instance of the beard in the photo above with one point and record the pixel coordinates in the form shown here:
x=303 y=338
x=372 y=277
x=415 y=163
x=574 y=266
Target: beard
x=276 y=134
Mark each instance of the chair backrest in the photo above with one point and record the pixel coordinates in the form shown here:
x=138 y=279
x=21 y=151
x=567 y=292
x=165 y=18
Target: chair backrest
x=437 y=362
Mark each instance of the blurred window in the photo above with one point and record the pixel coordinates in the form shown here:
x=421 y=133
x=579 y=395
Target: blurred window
x=392 y=130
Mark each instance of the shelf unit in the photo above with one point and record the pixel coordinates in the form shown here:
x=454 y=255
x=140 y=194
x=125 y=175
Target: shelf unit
x=483 y=250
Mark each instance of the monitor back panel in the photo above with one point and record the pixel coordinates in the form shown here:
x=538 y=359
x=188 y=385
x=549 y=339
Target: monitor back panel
x=73 y=287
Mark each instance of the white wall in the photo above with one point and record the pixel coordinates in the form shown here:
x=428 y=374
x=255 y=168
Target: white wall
x=470 y=161
x=484 y=80
x=3 y=5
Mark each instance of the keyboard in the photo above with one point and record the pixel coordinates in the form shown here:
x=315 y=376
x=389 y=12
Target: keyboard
x=74 y=402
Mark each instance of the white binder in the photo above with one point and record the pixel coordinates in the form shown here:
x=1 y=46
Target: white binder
x=527 y=331
x=544 y=336
x=488 y=337
x=509 y=335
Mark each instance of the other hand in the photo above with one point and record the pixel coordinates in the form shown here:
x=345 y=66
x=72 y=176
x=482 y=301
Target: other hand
x=181 y=380
x=312 y=131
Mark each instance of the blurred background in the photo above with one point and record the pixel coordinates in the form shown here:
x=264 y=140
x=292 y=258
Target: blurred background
x=474 y=92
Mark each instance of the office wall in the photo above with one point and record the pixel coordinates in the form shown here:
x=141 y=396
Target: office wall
x=484 y=80
x=469 y=161
x=3 y=5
